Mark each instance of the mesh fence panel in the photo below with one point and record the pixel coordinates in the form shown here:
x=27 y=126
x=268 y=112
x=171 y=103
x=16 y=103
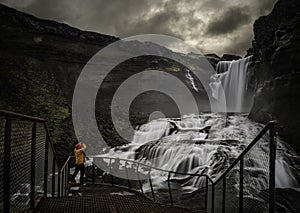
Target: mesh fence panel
x=131 y=172
x=50 y=184
x=256 y=177
x=188 y=191
x=160 y=185
x=218 y=197
x=2 y=130
x=40 y=159
x=232 y=190
x=56 y=189
x=20 y=164
x=143 y=174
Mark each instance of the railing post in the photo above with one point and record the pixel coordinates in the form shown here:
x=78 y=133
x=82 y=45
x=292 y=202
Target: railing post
x=93 y=181
x=111 y=177
x=68 y=172
x=58 y=183
x=62 y=182
x=272 y=167
x=224 y=195
x=212 y=197
x=138 y=175
x=151 y=186
x=53 y=177
x=206 y=192
x=46 y=166
x=241 y=192
x=7 y=160
x=127 y=175
x=66 y=178
x=170 y=190
x=32 y=178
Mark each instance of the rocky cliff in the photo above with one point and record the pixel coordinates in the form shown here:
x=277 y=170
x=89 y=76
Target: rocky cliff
x=276 y=74
x=40 y=61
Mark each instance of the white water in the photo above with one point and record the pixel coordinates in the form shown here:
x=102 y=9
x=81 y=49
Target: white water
x=232 y=78
x=184 y=149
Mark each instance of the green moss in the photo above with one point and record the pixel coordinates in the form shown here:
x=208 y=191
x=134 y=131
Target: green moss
x=38 y=39
x=28 y=88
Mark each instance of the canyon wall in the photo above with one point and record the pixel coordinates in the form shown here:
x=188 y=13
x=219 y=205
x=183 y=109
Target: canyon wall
x=276 y=70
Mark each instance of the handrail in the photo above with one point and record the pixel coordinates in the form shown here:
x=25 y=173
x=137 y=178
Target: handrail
x=272 y=145
x=139 y=163
x=21 y=116
x=65 y=164
x=248 y=148
x=239 y=159
x=208 y=179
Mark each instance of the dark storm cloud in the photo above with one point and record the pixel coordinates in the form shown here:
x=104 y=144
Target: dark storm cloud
x=229 y=21
x=212 y=26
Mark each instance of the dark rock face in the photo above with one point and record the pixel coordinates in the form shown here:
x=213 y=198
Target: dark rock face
x=276 y=70
x=40 y=62
x=229 y=57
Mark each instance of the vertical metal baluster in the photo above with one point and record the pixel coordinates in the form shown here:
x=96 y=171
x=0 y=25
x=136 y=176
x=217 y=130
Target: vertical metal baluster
x=111 y=177
x=58 y=183
x=272 y=168
x=93 y=173
x=224 y=194
x=62 y=182
x=170 y=190
x=53 y=177
x=213 y=198
x=206 y=192
x=7 y=164
x=127 y=175
x=32 y=173
x=151 y=186
x=46 y=166
x=241 y=193
x=138 y=175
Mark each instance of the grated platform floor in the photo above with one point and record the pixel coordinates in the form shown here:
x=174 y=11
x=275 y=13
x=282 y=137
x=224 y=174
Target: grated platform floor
x=103 y=198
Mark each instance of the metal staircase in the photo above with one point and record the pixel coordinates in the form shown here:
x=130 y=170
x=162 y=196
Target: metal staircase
x=31 y=173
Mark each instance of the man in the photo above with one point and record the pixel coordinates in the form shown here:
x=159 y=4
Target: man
x=79 y=164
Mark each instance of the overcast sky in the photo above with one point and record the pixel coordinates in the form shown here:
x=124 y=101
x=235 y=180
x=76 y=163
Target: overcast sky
x=212 y=26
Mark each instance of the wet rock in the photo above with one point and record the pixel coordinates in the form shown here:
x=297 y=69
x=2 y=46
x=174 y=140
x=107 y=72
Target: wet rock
x=276 y=72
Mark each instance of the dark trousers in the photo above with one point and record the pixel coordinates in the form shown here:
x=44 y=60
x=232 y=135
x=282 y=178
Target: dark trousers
x=77 y=169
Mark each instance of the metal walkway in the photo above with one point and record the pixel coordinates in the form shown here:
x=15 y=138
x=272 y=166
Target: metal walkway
x=103 y=198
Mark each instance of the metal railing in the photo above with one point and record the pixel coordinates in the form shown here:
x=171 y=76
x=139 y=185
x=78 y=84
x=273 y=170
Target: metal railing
x=28 y=162
x=30 y=170
x=218 y=194
x=230 y=173
x=139 y=166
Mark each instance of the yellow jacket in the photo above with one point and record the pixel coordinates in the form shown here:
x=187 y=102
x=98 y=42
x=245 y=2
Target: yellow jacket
x=79 y=155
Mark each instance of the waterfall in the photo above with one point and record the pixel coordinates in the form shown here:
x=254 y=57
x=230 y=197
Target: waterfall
x=206 y=144
x=232 y=78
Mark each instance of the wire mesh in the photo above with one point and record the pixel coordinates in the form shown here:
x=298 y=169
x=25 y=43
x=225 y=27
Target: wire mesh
x=159 y=181
x=188 y=190
x=218 y=191
x=56 y=189
x=50 y=176
x=2 y=131
x=256 y=177
x=40 y=159
x=21 y=132
x=232 y=187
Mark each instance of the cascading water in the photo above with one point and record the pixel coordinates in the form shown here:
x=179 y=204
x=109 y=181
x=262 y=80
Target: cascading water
x=208 y=143
x=232 y=78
